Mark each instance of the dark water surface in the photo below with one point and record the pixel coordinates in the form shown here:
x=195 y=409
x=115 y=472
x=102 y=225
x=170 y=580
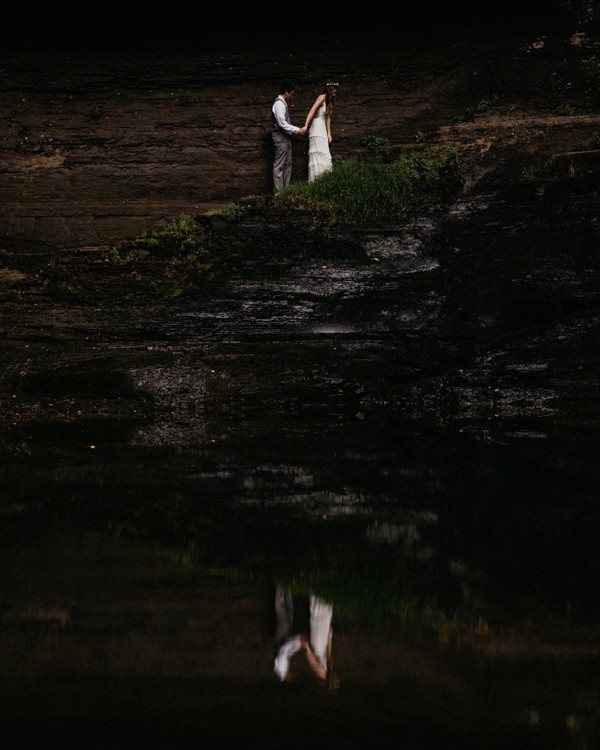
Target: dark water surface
x=139 y=586
x=191 y=460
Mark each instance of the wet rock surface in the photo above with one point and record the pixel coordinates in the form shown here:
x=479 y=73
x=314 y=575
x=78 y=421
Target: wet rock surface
x=480 y=310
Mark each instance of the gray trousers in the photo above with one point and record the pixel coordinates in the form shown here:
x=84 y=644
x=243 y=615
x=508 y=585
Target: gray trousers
x=282 y=160
x=284 y=611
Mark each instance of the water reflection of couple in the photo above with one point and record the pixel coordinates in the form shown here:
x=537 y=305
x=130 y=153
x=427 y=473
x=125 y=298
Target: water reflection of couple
x=317 y=647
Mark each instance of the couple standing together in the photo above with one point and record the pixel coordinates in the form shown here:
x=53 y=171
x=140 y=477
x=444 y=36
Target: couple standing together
x=318 y=124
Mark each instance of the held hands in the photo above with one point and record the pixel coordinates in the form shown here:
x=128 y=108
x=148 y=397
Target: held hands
x=302 y=131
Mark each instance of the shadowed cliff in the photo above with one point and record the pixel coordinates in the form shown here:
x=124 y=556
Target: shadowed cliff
x=116 y=122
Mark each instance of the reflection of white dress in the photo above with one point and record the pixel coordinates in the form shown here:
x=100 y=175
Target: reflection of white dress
x=319 y=156
x=320 y=623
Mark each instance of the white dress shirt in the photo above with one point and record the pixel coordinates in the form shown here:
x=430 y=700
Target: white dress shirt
x=280 y=112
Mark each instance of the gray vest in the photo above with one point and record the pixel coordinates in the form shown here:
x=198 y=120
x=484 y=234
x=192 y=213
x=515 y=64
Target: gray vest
x=276 y=128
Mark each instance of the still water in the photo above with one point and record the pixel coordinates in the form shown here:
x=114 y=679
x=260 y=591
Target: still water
x=227 y=529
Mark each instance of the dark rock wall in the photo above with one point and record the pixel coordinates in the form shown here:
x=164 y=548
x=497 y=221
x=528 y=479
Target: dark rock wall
x=99 y=148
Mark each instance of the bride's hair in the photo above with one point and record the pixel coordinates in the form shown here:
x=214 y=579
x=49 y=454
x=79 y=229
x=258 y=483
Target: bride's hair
x=327 y=88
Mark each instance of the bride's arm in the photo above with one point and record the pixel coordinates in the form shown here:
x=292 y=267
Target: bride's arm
x=314 y=109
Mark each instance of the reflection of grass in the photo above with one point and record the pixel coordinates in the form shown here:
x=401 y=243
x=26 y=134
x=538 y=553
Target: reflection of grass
x=367 y=586
x=370 y=589
x=367 y=597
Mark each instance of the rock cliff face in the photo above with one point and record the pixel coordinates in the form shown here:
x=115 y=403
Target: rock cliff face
x=461 y=308
x=99 y=148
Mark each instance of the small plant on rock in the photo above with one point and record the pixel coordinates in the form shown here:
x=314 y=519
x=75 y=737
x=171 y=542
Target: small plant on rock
x=172 y=258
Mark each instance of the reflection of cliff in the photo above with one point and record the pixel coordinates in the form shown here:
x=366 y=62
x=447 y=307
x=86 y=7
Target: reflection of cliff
x=113 y=640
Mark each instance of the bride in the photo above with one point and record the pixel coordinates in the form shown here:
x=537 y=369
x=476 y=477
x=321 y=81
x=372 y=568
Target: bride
x=319 y=135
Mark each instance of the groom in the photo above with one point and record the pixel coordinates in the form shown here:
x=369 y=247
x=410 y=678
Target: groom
x=282 y=141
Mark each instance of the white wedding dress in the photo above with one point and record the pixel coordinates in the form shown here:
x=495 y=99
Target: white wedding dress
x=319 y=156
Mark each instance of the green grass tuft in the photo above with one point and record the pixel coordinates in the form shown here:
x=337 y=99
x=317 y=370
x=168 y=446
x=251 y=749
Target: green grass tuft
x=367 y=190
x=173 y=258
